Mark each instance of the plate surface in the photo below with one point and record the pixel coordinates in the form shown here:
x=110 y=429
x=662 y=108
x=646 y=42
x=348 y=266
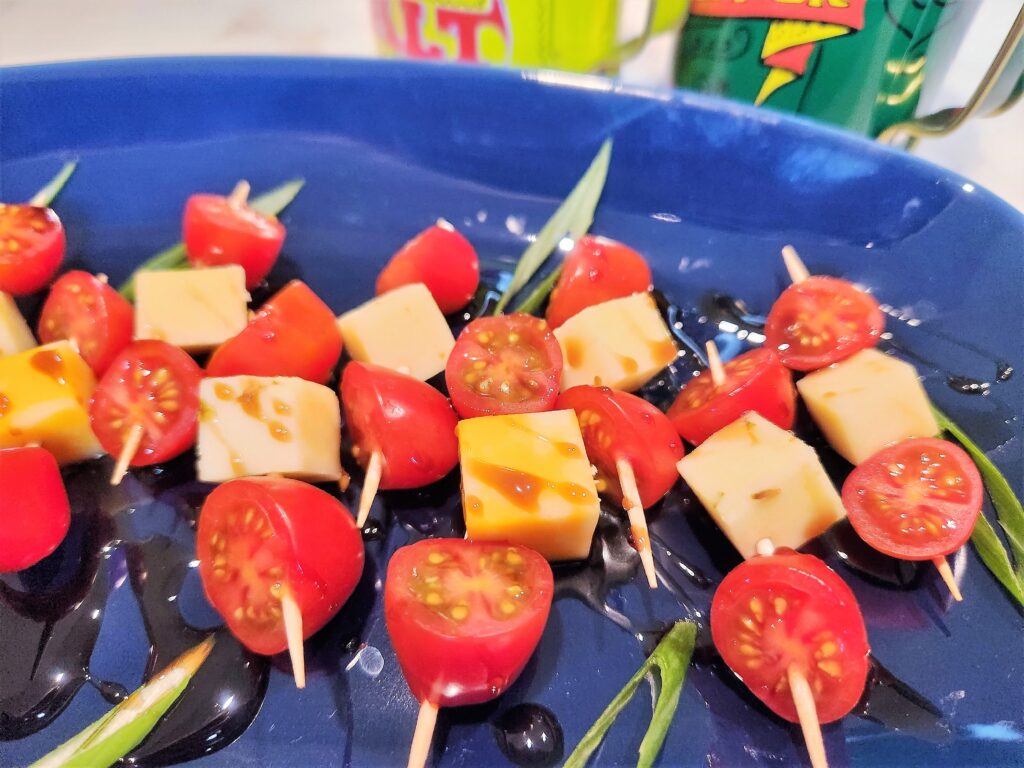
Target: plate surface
x=708 y=191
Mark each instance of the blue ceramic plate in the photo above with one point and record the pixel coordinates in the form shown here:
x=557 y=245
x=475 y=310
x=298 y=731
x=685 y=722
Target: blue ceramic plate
x=709 y=191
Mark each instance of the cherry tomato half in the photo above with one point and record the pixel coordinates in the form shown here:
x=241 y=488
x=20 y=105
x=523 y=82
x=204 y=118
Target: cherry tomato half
x=34 y=515
x=916 y=500
x=83 y=308
x=218 y=231
x=821 y=321
x=293 y=334
x=787 y=609
x=258 y=535
x=464 y=617
x=503 y=365
x=32 y=244
x=754 y=381
x=441 y=259
x=154 y=385
x=618 y=425
x=596 y=270
x=408 y=422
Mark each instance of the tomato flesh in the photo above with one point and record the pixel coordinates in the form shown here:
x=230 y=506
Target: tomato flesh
x=293 y=334
x=86 y=310
x=754 y=381
x=503 y=365
x=786 y=610
x=916 y=500
x=32 y=245
x=464 y=617
x=257 y=536
x=34 y=515
x=407 y=421
x=441 y=259
x=821 y=321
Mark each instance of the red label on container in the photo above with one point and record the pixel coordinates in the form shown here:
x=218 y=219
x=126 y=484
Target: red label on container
x=848 y=13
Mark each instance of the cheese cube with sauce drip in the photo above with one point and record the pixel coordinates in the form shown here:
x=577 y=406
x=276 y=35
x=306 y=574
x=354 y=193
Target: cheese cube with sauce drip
x=195 y=309
x=867 y=402
x=622 y=344
x=402 y=329
x=260 y=425
x=44 y=399
x=15 y=335
x=526 y=479
x=759 y=481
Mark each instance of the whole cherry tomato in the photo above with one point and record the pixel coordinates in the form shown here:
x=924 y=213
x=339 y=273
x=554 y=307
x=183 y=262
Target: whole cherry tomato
x=293 y=334
x=754 y=381
x=258 y=536
x=822 y=320
x=441 y=259
x=85 y=309
x=596 y=270
x=502 y=365
x=464 y=617
x=408 y=422
x=34 y=515
x=32 y=244
x=219 y=231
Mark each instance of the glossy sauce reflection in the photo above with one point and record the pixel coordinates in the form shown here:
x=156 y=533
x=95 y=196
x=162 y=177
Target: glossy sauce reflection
x=523 y=489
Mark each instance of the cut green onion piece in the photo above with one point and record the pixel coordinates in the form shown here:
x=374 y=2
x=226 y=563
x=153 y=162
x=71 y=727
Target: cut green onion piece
x=538 y=295
x=46 y=195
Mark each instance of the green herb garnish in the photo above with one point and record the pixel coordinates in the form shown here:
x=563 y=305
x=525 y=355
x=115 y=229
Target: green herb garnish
x=672 y=659
x=45 y=196
x=573 y=218
x=536 y=298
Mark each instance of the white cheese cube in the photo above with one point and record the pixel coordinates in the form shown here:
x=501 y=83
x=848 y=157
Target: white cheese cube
x=866 y=402
x=258 y=425
x=402 y=329
x=195 y=309
x=620 y=344
x=759 y=481
x=15 y=335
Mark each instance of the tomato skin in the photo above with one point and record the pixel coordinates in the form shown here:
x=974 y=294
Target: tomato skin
x=35 y=514
x=440 y=258
x=32 y=245
x=453 y=664
x=217 y=231
x=293 y=334
x=85 y=309
x=879 y=496
x=822 y=309
x=408 y=421
x=596 y=270
x=617 y=425
x=515 y=350
x=820 y=629
x=755 y=381
x=304 y=532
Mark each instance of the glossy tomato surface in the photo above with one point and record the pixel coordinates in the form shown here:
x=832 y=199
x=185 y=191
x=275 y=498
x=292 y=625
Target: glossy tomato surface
x=754 y=381
x=32 y=244
x=596 y=270
x=502 y=365
x=34 y=511
x=786 y=610
x=440 y=258
x=258 y=535
x=465 y=617
x=408 y=422
x=293 y=334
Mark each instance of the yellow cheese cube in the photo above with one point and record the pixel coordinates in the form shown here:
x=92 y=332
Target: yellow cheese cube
x=526 y=479
x=195 y=309
x=620 y=344
x=258 y=425
x=867 y=402
x=44 y=399
x=15 y=335
x=759 y=481
x=402 y=329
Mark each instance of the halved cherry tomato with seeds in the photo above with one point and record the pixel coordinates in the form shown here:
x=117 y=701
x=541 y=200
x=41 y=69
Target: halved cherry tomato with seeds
x=503 y=365
x=915 y=500
x=787 y=609
x=822 y=320
x=754 y=381
x=441 y=259
x=258 y=535
x=153 y=385
x=32 y=244
x=35 y=514
x=464 y=617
